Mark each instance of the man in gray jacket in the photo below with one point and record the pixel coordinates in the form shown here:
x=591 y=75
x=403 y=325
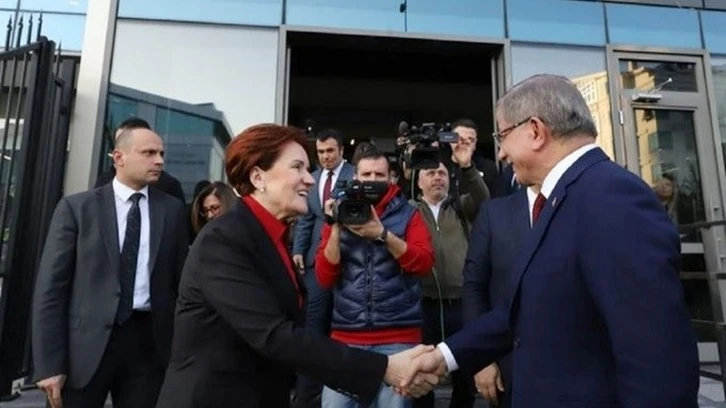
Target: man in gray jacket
x=448 y=215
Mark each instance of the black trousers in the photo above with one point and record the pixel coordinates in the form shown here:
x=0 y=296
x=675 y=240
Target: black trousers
x=317 y=320
x=463 y=393
x=130 y=370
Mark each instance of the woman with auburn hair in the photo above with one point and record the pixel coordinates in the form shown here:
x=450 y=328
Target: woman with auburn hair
x=213 y=201
x=238 y=337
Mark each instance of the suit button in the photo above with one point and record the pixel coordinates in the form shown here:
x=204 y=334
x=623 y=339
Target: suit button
x=516 y=342
x=118 y=294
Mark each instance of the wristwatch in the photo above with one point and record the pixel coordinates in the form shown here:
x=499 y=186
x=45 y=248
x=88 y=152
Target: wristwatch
x=382 y=238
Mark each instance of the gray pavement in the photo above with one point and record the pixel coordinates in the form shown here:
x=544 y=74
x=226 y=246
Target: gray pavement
x=711 y=395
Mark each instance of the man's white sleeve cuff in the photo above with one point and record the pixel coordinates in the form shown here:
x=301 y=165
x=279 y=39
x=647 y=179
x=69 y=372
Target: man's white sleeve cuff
x=448 y=356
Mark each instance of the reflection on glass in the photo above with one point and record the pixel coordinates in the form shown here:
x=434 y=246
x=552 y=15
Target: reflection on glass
x=257 y=12
x=556 y=21
x=456 y=17
x=194 y=135
x=367 y=15
x=651 y=25
x=668 y=158
x=68 y=6
x=647 y=75
x=669 y=161
x=714 y=30
x=585 y=66
x=718 y=69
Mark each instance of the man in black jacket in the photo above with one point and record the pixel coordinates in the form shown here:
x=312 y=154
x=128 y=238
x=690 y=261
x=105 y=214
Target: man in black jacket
x=166 y=183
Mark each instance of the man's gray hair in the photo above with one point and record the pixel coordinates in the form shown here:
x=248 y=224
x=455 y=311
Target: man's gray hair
x=552 y=98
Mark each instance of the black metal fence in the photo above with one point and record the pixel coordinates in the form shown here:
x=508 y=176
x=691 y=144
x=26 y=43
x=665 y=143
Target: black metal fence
x=36 y=92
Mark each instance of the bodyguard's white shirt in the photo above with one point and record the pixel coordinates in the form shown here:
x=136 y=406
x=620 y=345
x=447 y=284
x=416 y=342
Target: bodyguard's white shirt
x=122 y=197
x=548 y=185
x=324 y=177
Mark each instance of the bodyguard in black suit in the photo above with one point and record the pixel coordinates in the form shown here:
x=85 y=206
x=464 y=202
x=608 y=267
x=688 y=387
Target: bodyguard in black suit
x=165 y=182
x=499 y=230
x=107 y=285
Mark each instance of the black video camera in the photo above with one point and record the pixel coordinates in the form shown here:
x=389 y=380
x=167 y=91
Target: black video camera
x=354 y=199
x=424 y=154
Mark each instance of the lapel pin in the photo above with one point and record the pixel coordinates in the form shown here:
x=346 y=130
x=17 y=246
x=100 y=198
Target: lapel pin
x=554 y=202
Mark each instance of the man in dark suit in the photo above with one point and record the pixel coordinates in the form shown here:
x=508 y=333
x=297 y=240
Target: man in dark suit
x=329 y=147
x=166 y=182
x=597 y=317
x=107 y=283
x=507 y=183
x=499 y=229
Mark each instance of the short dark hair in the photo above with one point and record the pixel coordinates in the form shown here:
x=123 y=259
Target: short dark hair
x=326 y=134
x=127 y=126
x=133 y=123
x=371 y=153
x=467 y=123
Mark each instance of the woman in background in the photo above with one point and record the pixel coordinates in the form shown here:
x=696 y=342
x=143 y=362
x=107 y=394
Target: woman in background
x=213 y=201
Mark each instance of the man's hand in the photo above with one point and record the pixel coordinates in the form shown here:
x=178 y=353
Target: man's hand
x=52 y=388
x=398 y=367
x=431 y=363
x=489 y=383
x=299 y=262
x=328 y=207
x=370 y=230
x=462 y=151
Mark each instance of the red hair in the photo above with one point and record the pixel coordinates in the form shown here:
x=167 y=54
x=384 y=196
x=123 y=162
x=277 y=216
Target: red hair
x=258 y=145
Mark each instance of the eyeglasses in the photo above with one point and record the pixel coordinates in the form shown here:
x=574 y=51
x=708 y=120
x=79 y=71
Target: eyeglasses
x=213 y=209
x=499 y=136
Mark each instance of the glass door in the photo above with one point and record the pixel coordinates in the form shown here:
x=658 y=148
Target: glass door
x=667 y=139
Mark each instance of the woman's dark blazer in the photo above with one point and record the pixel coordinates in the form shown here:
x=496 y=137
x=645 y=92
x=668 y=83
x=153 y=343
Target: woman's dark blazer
x=238 y=337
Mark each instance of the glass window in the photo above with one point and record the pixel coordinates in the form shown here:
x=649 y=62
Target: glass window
x=656 y=26
x=715 y=4
x=556 y=21
x=256 y=12
x=353 y=14
x=718 y=69
x=190 y=148
x=118 y=110
x=64 y=29
x=457 y=17
x=196 y=85
x=714 y=30
x=67 y=6
x=669 y=76
x=585 y=66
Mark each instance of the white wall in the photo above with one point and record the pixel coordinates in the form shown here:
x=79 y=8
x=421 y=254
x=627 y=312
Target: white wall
x=233 y=67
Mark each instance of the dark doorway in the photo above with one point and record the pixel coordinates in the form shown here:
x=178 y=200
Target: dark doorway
x=365 y=86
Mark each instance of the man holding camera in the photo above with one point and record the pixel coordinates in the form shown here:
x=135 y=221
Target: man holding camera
x=374 y=269
x=448 y=216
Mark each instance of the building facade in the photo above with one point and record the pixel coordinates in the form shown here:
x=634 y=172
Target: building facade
x=652 y=71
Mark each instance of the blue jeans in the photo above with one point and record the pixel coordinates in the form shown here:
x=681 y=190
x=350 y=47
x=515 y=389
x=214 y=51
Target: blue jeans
x=387 y=397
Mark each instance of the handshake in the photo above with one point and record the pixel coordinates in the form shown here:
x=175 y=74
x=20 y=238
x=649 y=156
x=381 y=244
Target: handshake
x=416 y=371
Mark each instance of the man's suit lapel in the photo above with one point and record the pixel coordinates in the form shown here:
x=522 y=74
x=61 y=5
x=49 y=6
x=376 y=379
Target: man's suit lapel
x=156 y=219
x=554 y=201
x=109 y=226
